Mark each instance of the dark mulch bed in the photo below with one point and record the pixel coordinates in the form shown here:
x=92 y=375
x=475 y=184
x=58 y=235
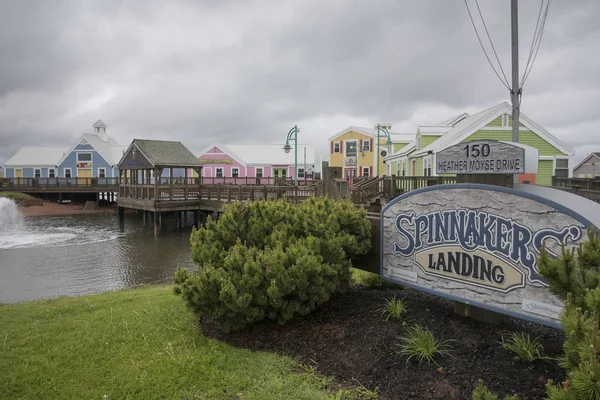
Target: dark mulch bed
x=346 y=339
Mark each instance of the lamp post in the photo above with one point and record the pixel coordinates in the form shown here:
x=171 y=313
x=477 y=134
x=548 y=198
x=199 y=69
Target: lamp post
x=293 y=135
x=386 y=133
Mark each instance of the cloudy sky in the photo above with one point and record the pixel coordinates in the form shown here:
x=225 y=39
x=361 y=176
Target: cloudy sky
x=245 y=71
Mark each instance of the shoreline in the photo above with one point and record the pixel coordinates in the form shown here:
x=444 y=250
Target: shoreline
x=51 y=209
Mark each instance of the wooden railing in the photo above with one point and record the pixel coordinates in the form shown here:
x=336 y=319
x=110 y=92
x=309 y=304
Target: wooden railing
x=192 y=188
x=257 y=181
x=252 y=192
x=393 y=186
x=592 y=184
x=54 y=183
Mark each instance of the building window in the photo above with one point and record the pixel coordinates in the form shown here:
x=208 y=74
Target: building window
x=219 y=172
x=504 y=120
x=51 y=173
x=300 y=172
x=259 y=172
x=366 y=145
x=84 y=157
x=418 y=142
x=366 y=171
x=561 y=168
x=427 y=166
x=37 y=173
x=101 y=172
x=403 y=167
x=67 y=172
x=336 y=147
x=398 y=169
x=351 y=149
x=235 y=172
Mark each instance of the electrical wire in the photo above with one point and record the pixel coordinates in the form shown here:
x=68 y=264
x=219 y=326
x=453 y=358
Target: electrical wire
x=484 y=51
x=539 y=41
x=533 y=40
x=491 y=43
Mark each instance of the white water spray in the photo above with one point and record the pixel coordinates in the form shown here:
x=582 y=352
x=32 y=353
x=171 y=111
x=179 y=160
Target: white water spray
x=11 y=219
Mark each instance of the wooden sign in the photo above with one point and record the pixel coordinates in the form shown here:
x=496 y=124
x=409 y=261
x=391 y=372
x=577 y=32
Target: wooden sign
x=216 y=161
x=481 y=157
x=478 y=244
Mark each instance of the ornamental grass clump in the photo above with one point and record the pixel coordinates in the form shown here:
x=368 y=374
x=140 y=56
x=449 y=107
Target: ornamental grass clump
x=420 y=343
x=524 y=348
x=272 y=260
x=393 y=309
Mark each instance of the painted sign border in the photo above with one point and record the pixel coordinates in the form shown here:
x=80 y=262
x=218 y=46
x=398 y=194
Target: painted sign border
x=502 y=189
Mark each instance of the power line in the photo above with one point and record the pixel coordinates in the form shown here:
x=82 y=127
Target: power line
x=484 y=51
x=539 y=41
x=533 y=40
x=490 y=39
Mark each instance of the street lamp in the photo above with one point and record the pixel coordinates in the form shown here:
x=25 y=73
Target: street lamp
x=293 y=135
x=386 y=133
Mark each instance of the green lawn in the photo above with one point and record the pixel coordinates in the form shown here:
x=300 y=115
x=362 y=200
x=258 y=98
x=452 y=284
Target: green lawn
x=136 y=344
x=15 y=195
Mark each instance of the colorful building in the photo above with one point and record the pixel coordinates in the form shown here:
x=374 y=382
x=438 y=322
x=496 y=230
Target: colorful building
x=228 y=162
x=93 y=155
x=355 y=150
x=418 y=157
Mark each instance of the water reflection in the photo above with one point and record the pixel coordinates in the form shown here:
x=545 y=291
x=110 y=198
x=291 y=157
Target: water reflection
x=87 y=254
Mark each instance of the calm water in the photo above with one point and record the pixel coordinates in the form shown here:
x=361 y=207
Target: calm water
x=44 y=257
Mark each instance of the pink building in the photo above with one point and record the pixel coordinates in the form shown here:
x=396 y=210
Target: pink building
x=261 y=164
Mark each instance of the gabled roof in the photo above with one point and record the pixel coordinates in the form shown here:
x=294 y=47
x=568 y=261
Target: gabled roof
x=472 y=124
x=395 y=136
x=272 y=154
x=434 y=130
x=99 y=124
x=224 y=149
x=403 y=152
x=117 y=152
x=402 y=137
x=265 y=154
x=37 y=156
x=454 y=120
x=102 y=147
x=162 y=153
x=596 y=154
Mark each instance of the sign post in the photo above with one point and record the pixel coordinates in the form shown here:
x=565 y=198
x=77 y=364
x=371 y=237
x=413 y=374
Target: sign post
x=477 y=242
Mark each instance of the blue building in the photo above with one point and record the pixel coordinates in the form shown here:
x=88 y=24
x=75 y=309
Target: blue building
x=94 y=155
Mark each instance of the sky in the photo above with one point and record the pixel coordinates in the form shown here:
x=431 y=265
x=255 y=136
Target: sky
x=246 y=71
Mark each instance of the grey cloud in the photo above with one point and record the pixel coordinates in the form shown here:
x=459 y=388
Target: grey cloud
x=241 y=71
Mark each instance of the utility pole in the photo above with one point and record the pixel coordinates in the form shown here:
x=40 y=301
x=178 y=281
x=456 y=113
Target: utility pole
x=514 y=17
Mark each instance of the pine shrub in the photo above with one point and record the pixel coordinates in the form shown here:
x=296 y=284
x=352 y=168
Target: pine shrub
x=272 y=259
x=574 y=276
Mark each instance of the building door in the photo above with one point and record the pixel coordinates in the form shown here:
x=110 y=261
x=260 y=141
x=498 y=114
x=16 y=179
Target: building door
x=414 y=167
x=280 y=173
x=19 y=176
x=83 y=175
x=350 y=174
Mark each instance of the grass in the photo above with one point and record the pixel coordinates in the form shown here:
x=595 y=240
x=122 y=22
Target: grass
x=140 y=343
x=420 y=343
x=523 y=346
x=15 y=195
x=358 y=277
x=393 y=309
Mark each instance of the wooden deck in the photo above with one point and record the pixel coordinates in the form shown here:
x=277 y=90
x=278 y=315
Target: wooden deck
x=181 y=197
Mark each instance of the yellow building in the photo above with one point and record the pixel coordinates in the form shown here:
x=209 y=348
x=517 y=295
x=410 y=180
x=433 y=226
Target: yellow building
x=355 y=150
